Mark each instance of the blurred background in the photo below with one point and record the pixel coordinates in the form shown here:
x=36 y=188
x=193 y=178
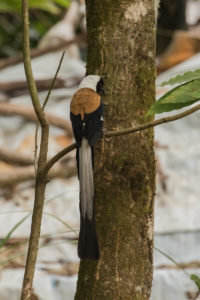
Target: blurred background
x=57 y=25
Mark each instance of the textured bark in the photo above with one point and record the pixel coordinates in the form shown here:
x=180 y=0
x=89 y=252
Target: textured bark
x=121 y=48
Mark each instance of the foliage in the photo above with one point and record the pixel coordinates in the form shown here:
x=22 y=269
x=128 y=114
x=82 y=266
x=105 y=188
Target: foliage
x=195 y=278
x=43 y=15
x=4 y=240
x=181 y=96
x=186 y=77
x=9 y=234
x=46 y=5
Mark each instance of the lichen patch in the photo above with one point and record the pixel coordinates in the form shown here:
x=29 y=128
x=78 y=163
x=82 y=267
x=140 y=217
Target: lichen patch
x=156 y=5
x=135 y=12
x=150 y=229
x=138 y=288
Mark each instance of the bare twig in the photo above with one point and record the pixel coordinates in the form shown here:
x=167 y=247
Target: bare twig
x=154 y=123
x=10 y=87
x=28 y=69
x=20 y=159
x=115 y=133
x=53 y=81
x=43 y=107
x=41 y=181
x=12 y=177
x=7 y=109
x=58 y=156
x=14 y=158
x=4 y=63
x=36 y=148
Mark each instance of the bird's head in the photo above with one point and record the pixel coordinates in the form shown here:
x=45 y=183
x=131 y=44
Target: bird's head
x=94 y=82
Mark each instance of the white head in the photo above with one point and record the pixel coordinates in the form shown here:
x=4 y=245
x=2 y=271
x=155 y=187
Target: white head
x=90 y=82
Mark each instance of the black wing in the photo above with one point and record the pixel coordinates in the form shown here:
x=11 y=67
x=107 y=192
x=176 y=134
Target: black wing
x=94 y=125
x=90 y=127
x=77 y=126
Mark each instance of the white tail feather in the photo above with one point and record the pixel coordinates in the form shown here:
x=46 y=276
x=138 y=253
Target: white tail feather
x=86 y=179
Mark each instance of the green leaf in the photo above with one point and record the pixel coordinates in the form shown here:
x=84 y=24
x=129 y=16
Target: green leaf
x=9 y=6
x=172 y=260
x=195 y=94
x=193 y=277
x=46 y=5
x=63 y=3
x=3 y=241
x=196 y=280
x=160 y=108
x=182 y=93
x=23 y=252
x=179 y=97
x=186 y=77
x=60 y=220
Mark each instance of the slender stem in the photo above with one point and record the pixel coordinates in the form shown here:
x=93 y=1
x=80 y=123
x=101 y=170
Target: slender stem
x=58 y=156
x=27 y=65
x=11 y=61
x=36 y=147
x=53 y=81
x=43 y=107
x=154 y=123
x=135 y=129
x=41 y=181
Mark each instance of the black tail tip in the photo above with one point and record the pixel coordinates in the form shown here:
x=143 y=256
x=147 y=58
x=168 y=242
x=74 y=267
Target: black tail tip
x=88 y=255
x=87 y=243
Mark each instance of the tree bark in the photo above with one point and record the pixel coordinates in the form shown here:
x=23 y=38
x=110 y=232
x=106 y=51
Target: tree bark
x=121 y=48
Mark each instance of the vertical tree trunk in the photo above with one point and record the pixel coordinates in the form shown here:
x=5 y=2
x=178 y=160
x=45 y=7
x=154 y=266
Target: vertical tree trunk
x=121 y=48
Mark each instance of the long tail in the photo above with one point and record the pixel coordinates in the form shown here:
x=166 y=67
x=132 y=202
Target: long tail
x=87 y=243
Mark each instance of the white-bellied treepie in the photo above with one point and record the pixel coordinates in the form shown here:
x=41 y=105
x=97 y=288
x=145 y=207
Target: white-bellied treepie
x=86 y=114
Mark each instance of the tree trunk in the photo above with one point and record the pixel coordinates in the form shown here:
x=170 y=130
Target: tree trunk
x=121 y=48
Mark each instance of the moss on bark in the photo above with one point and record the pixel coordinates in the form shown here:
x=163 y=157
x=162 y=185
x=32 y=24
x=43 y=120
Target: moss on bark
x=121 y=48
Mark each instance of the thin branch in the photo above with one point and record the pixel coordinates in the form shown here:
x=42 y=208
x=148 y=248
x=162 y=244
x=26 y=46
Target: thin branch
x=15 y=158
x=153 y=123
x=11 y=61
x=53 y=81
x=135 y=129
x=16 y=175
x=7 y=109
x=28 y=69
x=36 y=148
x=58 y=156
x=12 y=87
x=41 y=181
x=43 y=107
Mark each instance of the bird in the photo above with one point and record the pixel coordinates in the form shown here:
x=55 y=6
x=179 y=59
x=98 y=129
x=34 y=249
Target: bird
x=86 y=114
